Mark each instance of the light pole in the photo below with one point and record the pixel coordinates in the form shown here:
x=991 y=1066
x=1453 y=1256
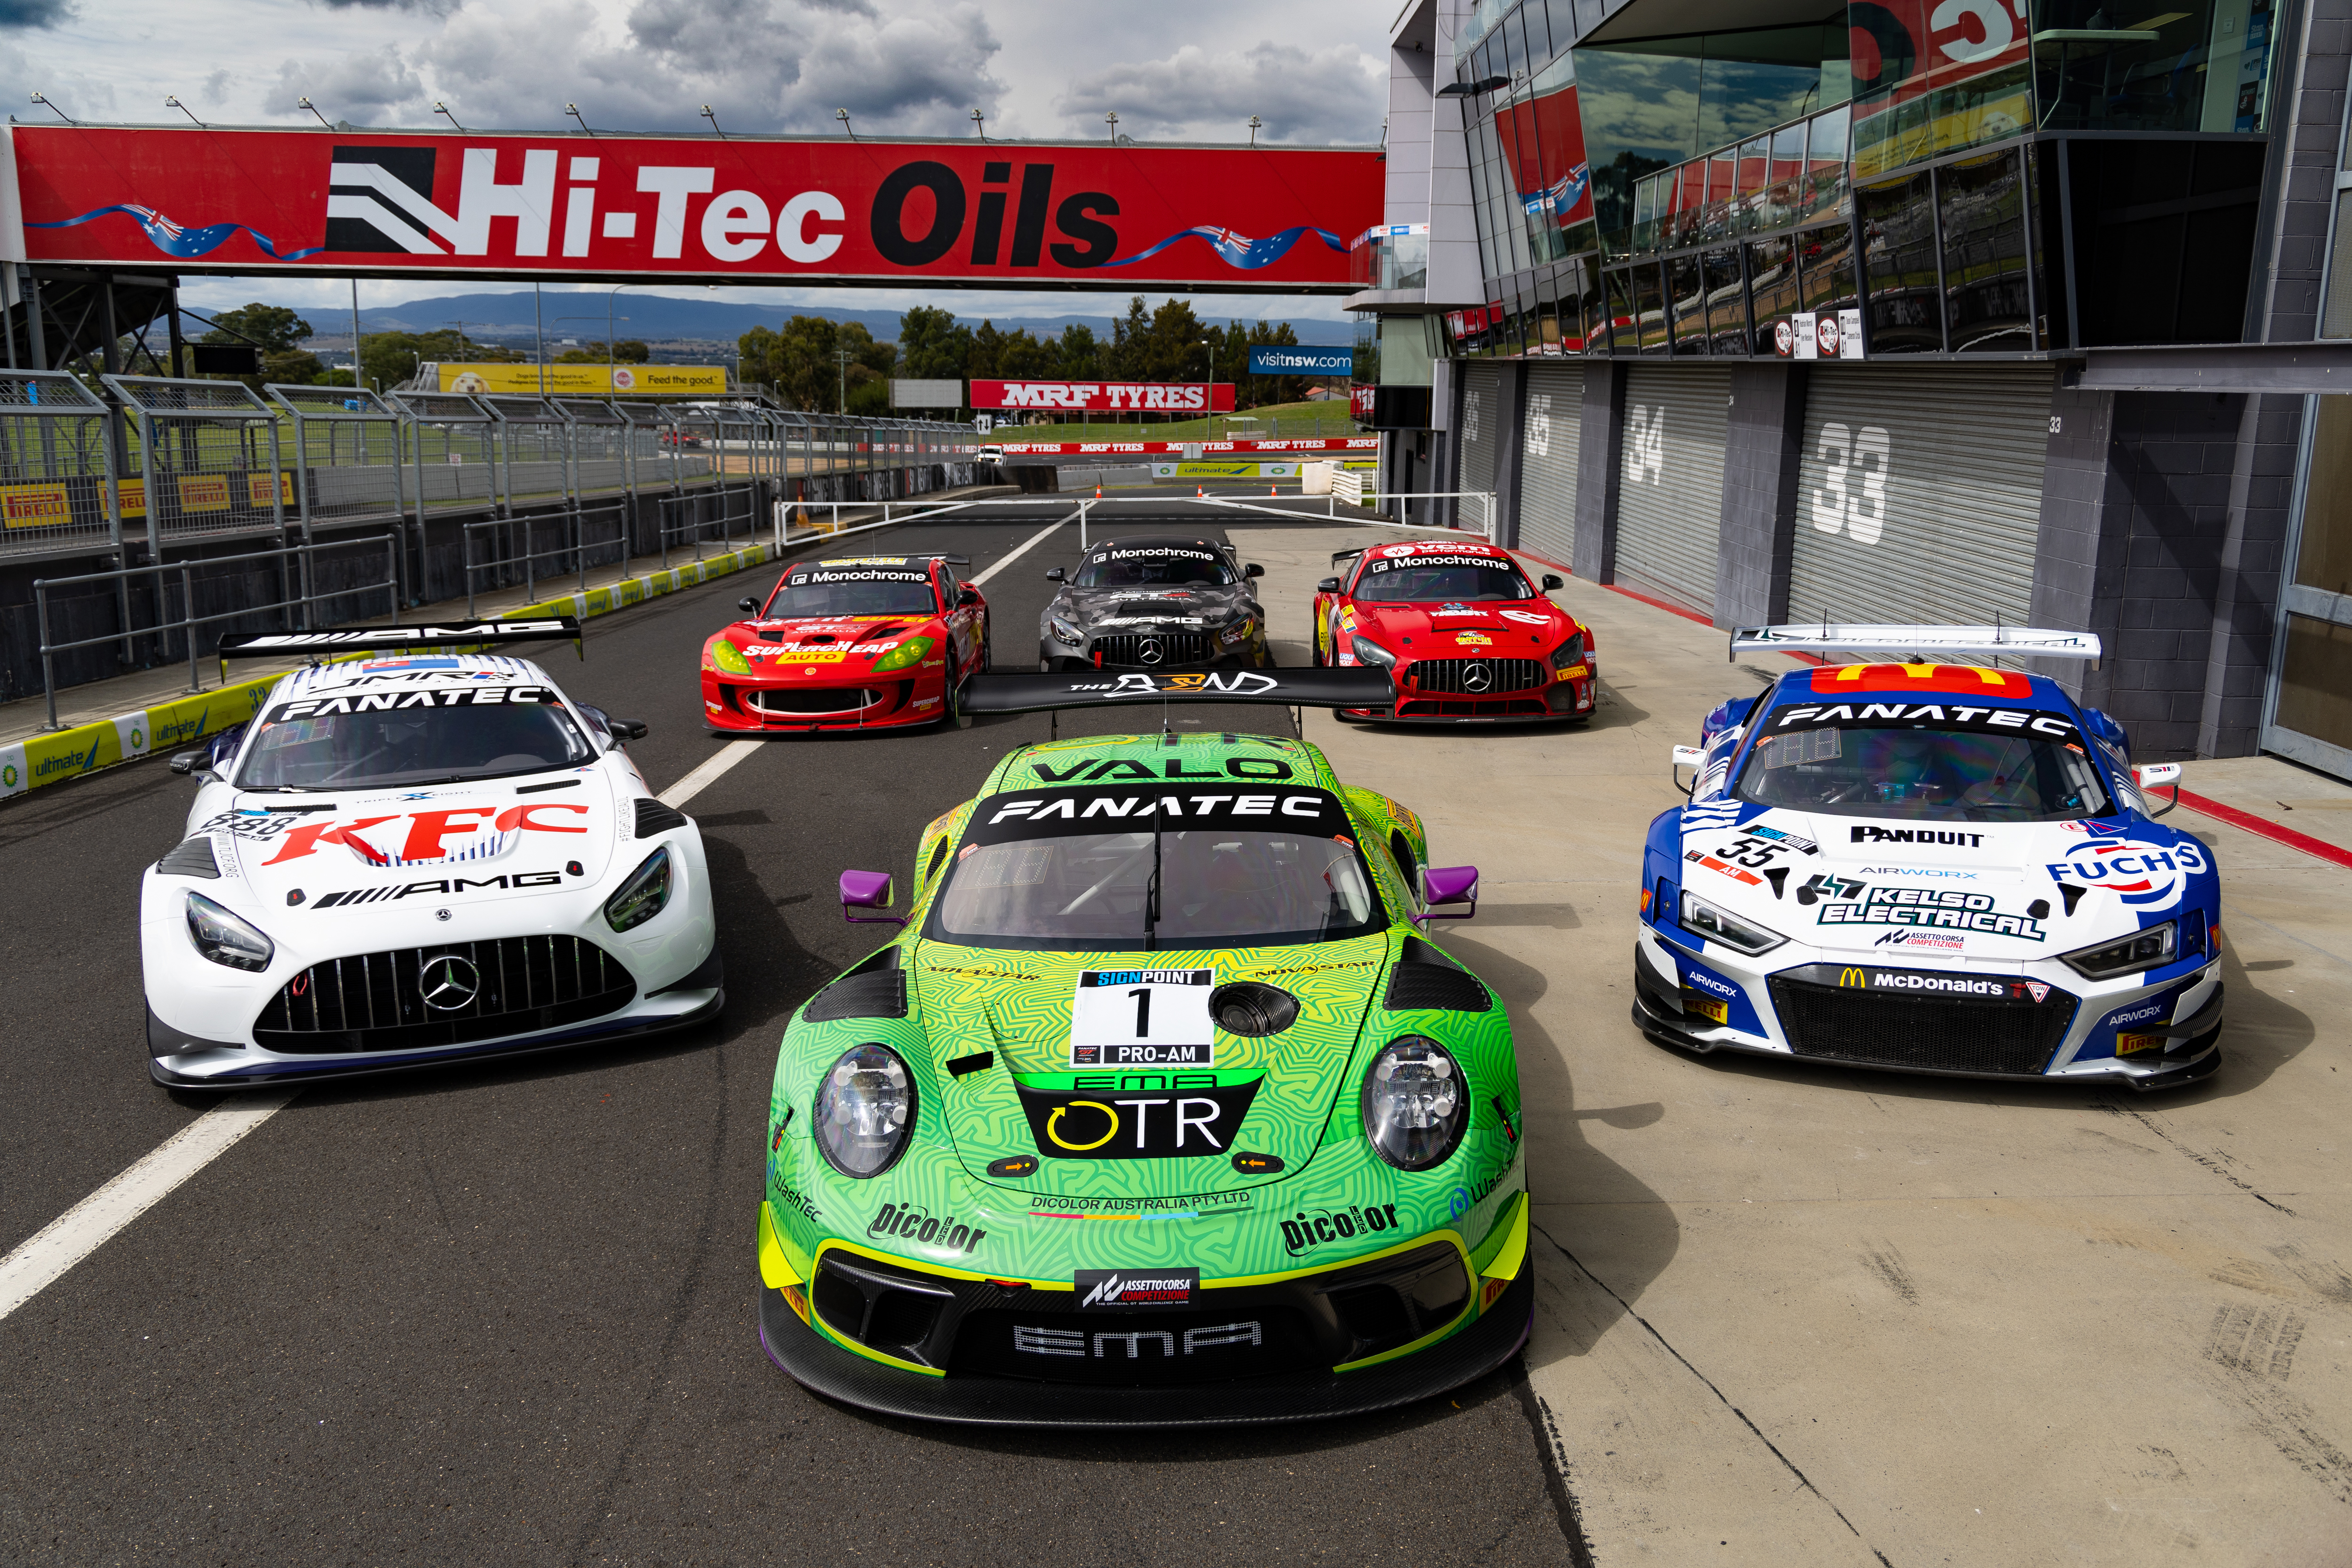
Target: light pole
x=842 y=357
x=611 y=350
x=1212 y=421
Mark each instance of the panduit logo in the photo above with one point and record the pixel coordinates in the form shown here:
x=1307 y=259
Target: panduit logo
x=912 y=1222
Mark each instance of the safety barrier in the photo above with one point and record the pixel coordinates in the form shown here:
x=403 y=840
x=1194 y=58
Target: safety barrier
x=297 y=593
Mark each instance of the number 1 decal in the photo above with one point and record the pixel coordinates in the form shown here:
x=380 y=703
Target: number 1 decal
x=1142 y=994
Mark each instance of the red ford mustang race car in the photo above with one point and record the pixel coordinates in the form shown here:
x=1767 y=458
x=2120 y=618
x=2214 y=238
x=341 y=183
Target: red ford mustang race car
x=857 y=643
x=1462 y=630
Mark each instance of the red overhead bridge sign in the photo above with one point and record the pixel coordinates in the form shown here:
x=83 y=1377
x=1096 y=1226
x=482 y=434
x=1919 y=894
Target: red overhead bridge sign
x=389 y=203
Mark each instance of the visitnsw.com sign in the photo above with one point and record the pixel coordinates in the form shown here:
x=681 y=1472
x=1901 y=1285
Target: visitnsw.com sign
x=255 y=201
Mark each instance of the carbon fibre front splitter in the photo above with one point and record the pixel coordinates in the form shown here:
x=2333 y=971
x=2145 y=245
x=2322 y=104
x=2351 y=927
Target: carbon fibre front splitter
x=825 y=1368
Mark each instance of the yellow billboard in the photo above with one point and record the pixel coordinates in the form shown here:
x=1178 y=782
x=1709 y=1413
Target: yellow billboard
x=34 y=506
x=585 y=380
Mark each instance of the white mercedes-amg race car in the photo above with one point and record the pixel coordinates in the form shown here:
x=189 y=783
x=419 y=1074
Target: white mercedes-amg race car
x=411 y=857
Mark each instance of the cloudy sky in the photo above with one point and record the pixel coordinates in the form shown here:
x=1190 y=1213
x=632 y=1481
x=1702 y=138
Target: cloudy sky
x=1314 y=70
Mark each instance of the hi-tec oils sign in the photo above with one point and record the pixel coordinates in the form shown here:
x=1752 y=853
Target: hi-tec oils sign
x=263 y=201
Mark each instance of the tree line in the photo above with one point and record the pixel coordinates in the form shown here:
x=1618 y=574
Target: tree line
x=823 y=366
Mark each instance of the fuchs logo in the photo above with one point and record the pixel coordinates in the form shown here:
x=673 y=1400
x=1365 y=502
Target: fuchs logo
x=1311 y=1227
x=1114 y=1288
x=912 y=1222
x=2144 y=876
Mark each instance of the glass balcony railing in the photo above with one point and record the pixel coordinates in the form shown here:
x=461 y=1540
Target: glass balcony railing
x=1784 y=177
x=1390 y=256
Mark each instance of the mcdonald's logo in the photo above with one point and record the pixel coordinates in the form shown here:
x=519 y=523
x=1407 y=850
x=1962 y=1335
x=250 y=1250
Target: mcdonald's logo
x=1852 y=980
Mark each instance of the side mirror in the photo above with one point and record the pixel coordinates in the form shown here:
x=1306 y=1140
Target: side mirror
x=1553 y=580
x=866 y=890
x=187 y=761
x=628 y=729
x=1056 y=574
x=1449 y=885
x=966 y=597
x=1252 y=570
x=749 y=606
x=1328 y=585
x=1690 y=757
x=2149 y=774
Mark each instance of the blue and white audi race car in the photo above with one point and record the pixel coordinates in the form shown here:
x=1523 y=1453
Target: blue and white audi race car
x=1929 y=868
x=406 y=860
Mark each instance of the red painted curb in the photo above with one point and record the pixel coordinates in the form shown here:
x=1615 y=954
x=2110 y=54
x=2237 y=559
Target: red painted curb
x=2262 y=827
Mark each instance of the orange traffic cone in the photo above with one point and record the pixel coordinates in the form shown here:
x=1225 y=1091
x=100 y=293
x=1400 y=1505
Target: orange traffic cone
x=1271 y=491
x=1098 y=492
x=1199 y=492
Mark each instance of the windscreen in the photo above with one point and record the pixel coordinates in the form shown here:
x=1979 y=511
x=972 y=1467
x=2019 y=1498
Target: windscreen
x=881 y=586
x=1132 y=871
x=1955 y=765
x=370 y=740
x=1155 y=566
x=1411 y=579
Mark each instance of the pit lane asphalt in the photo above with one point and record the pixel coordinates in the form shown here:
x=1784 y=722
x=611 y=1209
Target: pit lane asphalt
x=506 y=1312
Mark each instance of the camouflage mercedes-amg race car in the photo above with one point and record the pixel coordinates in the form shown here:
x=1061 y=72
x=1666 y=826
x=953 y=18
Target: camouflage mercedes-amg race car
x=1162 y=1109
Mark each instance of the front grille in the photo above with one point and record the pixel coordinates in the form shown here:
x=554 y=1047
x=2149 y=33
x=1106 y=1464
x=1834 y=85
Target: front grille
x=1927 y=1033
x=1462 y=709
x=1140 y=1349
x=1476 y=677
x=1126 y=649
x=376 y=1001
x=800 y=702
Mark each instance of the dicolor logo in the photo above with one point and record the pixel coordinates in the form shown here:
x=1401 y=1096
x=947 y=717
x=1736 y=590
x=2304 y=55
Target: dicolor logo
x=2144 y=876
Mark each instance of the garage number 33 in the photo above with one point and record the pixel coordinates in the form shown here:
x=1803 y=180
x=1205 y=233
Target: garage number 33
x=1142 y=1017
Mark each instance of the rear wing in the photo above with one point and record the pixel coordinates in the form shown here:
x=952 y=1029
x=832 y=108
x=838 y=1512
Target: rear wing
x=2016 y=642
x=402 y=639
x=1282 y=688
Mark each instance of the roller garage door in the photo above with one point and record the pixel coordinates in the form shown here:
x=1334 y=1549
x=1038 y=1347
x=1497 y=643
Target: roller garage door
x=1481 y=414
x=1670 y=495
x=1548 y=429
x=1921 y=494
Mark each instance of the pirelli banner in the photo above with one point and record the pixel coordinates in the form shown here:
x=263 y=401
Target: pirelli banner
x=195 y=199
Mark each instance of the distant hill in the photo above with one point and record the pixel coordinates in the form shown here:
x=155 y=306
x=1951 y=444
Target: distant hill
x=659 y=318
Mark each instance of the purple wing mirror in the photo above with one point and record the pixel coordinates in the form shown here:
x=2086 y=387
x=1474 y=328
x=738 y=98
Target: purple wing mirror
x=1449 y=885
x=866 y=890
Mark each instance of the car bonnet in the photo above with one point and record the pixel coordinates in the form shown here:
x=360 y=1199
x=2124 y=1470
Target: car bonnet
x=1465 y=628
x=1274 y=1094
x=1134 y=609
x=501 y=838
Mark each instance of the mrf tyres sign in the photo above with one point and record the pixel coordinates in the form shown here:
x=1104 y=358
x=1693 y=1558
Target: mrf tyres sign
x=262 y=201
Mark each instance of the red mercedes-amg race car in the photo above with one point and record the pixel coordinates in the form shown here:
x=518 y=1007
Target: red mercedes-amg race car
x=857 y=643
x=1464 y=633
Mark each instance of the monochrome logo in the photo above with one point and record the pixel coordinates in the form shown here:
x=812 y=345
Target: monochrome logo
x=449 y=982
x=379 y=198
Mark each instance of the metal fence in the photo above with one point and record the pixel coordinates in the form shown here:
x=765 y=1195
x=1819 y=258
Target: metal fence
x=296 y=604
x=346 y=444
x=58 y=447
x=207 y=461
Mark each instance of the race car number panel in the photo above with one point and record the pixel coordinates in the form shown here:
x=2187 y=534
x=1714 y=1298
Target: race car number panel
x=1142 y=1017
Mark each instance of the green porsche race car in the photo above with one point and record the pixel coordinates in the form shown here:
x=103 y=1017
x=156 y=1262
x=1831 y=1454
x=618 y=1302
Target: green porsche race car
x=1161 y=1108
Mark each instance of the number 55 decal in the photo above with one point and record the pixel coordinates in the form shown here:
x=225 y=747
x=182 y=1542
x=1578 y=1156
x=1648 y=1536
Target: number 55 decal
x=1859 y=507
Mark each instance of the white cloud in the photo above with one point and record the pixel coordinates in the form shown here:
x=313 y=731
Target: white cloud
x=1336 y=94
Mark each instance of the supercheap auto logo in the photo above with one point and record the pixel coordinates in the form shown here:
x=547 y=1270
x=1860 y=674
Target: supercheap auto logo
x=2144 y=876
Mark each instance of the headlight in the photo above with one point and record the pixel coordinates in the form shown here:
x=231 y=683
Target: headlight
x=1719 y=925
x=864 y=1108
x=1065 y=633
x=1415 y=1103
x=225 y=939
x=1371 y=652
x=2141 y=950
x=1237 y=632
x=1569 y=652
x=909 y=652
x=643 y=896
x=721 y=654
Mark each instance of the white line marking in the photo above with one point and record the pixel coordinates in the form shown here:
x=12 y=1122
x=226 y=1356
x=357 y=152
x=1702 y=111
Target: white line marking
x=709 y=774
x=91 y=1223
x=1018 y=551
